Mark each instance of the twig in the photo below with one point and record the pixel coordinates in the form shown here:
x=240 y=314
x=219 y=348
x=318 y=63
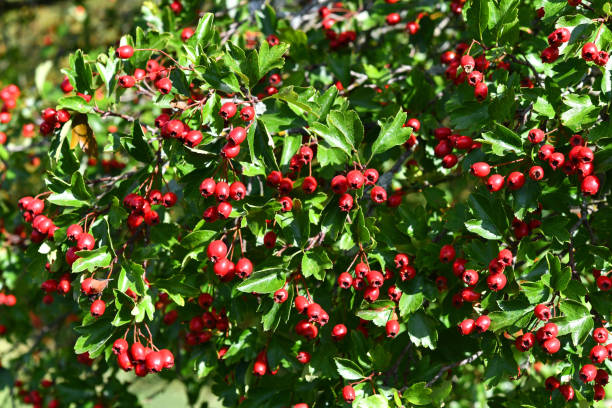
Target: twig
x=463 y=362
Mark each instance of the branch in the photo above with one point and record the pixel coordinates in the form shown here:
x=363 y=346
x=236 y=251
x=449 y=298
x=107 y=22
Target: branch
x=463 y=362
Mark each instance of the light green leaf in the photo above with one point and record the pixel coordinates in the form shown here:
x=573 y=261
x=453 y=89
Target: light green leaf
x=392 y=133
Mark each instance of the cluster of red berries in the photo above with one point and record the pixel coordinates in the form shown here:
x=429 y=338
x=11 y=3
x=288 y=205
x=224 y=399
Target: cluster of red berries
x=546 y=336
x=238 y=134
x=176 y=129
x=84 y=242
x=447 y=141
x=412 y=27
x=108 y=165
x=42 y=226
x=481 y=324
x=224 y=268
x=589 y=372
x=261 y=366
x=50 y=286
x=355 y=180
x=143 y=360
x=201 y=326
x=93 y=289
x=36 y=397
x=284 y=185
x=343 y=38
x=223 y=192
x=53 y=119
x=141 y=210
x=473 y=69
x=591 y=53
x=316 y=315
x=555 y=40
x=580 y=161
x=456 y=6
x=9 y=95
x=9 y=300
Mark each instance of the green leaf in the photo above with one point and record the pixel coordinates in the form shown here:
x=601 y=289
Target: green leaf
x=270 y=57
x=79 y=190
x=108 y=72
x=289 y=95
x=478 y=227
x=513 y=314
x=264 y=281
x=203 y=32
x=314 y=263
x=198 y=238
x=478 y=16
x=66 y=199
x=136 y=145
x=418 y=394
x=576 y=321
x=489 y=222
x=91 y=260
x=556 y=228
x=410 y=303
x=544 y=108
x=392 y=133
x=82 y=73
x=291 y=144
x=93 y=337
x=348 y=369
x=559 y=277
x=75 y=103
x=503 y=140
x=373 y=401
x=580 y=113
x=422 y=330
x=379 y=312
x=361 y=230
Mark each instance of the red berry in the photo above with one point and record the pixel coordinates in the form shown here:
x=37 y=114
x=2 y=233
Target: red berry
x=97 y=308
x=392 y=328
x=600 y=335
x=348 y=393
x=589 y=51
x=550 y=54
x=588 y=372
x=567 y=392
x=124 y=52
x=536 y=173
x=482 y=323
x=480 y=169
x=536 y=136
x=466 y=326
x=552 y=383
x=496 y=282
x=339 y=331
x=447 y=253
x=542 y=312
x=247 y=113
x=85 y=242
x=495 y=182
x=481 y=91
x=164 y=85
x=216 y=250
x=355 y=179
x=378 y=195
x=393 y=18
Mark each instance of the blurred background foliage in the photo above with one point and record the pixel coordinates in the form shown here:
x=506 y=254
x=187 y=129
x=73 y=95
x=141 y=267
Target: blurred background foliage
x=34 y=31
x=37 y=38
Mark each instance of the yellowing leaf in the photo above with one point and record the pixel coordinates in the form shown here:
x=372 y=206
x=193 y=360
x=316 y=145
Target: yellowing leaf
x=83 y=135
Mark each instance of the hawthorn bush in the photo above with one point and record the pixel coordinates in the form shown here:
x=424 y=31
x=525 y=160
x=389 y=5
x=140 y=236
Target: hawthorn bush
x=305 y=204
